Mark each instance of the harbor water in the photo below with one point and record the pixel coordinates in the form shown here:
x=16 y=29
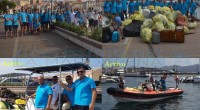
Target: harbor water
x=189 y=100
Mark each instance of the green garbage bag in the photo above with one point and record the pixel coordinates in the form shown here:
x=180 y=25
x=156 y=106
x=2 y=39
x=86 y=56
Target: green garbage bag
x=158 y=26
x=148 y=23
x=146 y=35
x=170 y=25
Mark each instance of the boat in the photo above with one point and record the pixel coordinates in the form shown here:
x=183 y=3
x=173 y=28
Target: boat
x=196 y=79
x=141 y=74
x=109 y=79
x=187 y=79
x=134 y=95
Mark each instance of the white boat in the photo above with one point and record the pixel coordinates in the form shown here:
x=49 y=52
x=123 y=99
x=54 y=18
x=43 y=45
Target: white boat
x=109 y=79
x=196 y=79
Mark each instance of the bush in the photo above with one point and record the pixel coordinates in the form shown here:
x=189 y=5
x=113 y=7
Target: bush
x=97 y=34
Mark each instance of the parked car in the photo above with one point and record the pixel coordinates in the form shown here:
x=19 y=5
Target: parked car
x=1 y=15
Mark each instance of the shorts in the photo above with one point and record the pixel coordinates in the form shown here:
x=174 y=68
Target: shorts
x=37 y=29
x=91 y=22
x=8 y=27
x=15 y=26
x=24 y=24
x=46 y=22
x=78 y=107
x=30 y=24
x=95 y=23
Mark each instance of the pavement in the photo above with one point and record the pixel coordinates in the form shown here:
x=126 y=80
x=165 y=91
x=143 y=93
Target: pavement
x=45 y=45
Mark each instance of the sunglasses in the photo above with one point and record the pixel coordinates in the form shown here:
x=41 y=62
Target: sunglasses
x=79 y=71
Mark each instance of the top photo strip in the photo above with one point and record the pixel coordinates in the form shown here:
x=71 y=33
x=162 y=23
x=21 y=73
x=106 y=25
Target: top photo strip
x=99 y=28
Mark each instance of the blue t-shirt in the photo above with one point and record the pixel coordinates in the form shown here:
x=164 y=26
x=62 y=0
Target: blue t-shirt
x=154 y=3
x=160 y=4
x=113 y=8
x=36 y=25
x=53 y=17
x=193 y=7
x=46 y=17
x=106 y=6
x=23 y=16
x=15 y=19
x=136 y=6
x=124 y=4
x=70 y=94
x=184 y=8
x=179 y=7
x=36 y=16
x=131 y=7
x=30 y=17
x=41 y=17
x=83 y=92
x=42 y=95
x=119 y=7
x=8 y=22
x=146 y=3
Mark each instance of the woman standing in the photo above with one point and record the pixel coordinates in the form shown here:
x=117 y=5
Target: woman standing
x=15 y=23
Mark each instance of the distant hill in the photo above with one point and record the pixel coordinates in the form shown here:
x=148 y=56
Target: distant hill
x=190 y=68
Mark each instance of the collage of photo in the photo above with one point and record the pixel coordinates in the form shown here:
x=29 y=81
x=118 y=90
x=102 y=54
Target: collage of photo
x=99 y=55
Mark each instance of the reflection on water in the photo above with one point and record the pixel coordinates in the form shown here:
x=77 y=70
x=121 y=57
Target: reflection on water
x=189 y=100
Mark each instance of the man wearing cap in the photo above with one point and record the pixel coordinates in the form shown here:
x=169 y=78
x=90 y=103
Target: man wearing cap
x=85 y=91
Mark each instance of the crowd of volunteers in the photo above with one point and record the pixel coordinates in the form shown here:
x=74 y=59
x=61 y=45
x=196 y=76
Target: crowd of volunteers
x=30 y=21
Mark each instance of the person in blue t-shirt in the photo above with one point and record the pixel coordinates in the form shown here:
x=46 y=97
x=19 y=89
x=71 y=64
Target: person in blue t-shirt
x=53 y=21
x=142 y=4
x=137 y=6
x=15 y=22
x=23 y=21
x=46 y=18
x=165 y=3
x=8 y=23
x=113 y=7
x=154 y=3
x=119 y=7
x=131 y=7
x=192 y=9
x=36 y=16
x=30 y=21
x=146 y=3
x=37 y=27
x=106 y=7
x=85 y=91
x=68 y=95
x=43 y=95
x=184 y=8
x=41 y=14
x=124 y=7
x=179 y=6
x=160 y=3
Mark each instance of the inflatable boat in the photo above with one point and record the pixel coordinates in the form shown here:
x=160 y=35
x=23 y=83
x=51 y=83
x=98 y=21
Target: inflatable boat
x=134 y=95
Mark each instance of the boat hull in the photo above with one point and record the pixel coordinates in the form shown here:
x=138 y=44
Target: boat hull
x=196 y=80
x=127 y=96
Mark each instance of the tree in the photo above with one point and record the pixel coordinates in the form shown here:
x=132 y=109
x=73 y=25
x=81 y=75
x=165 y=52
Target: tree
x=5 y=3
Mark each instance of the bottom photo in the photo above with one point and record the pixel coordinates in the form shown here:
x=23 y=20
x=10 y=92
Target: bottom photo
x=50 y=84
x=100 y=84
x=151 y=84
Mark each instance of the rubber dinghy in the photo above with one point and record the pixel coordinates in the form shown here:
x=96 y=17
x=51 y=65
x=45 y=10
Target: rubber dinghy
x=134 y=95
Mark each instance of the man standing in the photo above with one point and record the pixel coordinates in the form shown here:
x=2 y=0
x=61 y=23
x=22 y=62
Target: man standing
x=23 y=21
x=8 y=23
x=85 y=91
x=56 y=90
x=43 y=95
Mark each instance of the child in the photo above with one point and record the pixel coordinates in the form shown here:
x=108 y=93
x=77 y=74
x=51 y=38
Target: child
x=37 y=27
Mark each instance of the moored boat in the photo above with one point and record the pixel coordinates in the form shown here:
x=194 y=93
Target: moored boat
x=134 y=95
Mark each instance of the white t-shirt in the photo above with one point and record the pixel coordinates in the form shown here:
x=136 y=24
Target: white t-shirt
x=96 y=16
x=72 y=16
x=76 y=21
x=84 y=16
x=91 y=14
x=56 y=90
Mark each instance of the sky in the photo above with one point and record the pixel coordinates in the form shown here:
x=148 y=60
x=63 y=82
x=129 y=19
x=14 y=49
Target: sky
x=154 y=62
x=36 y=62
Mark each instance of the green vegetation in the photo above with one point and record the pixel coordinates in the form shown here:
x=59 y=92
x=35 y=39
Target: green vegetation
x=96 y=34
x=5 y=3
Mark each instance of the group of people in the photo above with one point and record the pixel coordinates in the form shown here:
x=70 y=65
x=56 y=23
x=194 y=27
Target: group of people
x=34 y=21
x=80 y=95
x=152 y=84
x=121 y=7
